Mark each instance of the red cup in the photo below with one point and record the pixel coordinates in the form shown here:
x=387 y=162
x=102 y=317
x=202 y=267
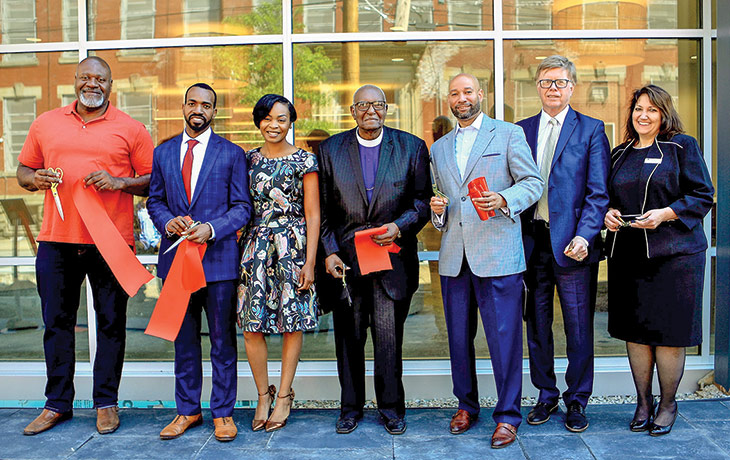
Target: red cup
x=476 y=187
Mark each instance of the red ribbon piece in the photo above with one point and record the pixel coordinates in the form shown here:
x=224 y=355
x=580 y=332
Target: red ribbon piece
x=186 y=276
x=476 y=187
x=372 y=257
x=127 y=269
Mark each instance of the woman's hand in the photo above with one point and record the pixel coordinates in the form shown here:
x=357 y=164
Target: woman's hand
x=612 y=220
x=652 y=218
x=306 y=277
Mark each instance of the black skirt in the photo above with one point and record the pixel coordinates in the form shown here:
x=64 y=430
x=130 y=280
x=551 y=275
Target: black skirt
x=656 y=301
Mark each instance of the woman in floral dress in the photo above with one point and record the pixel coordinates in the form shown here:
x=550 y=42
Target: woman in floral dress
x=276 y=294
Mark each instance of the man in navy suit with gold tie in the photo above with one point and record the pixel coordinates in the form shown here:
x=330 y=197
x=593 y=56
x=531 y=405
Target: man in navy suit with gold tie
x=560 y=236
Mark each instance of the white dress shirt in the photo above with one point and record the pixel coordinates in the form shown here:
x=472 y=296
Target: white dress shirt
x=198 y=155
x=464 y=141
x=544 y=130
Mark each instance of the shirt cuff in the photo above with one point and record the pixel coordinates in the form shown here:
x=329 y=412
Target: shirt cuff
x=212 y=231
x=585 y=241
x=439 y=218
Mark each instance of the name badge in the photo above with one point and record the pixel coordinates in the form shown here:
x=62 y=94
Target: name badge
x=654 y=161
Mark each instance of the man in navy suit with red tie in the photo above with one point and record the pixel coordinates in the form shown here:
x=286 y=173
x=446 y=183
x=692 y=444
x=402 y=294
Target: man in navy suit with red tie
x=560 y=235
x=199 y=175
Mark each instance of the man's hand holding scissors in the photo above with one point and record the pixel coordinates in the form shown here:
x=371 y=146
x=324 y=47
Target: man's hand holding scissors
x=44 y=179
x=184 y=227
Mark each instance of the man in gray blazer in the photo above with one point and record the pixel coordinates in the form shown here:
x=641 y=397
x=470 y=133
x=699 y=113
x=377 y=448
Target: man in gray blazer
x=481 y=261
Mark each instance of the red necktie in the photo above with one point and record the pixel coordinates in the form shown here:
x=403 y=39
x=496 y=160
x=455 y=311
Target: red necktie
x=187 y=168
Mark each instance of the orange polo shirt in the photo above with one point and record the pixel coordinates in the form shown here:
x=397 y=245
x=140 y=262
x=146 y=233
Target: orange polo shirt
x=114 y=142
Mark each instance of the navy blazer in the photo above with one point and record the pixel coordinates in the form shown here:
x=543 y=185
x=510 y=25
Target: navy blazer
x=221 y=197
x=401 y=194
x=577 y=186
x=676 y=176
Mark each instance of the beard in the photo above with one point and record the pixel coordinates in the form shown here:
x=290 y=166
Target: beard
x=197 y=128
x=475 y=109
x=92 y=101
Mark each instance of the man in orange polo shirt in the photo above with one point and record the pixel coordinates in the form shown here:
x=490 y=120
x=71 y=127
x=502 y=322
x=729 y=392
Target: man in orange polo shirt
x=93 y=141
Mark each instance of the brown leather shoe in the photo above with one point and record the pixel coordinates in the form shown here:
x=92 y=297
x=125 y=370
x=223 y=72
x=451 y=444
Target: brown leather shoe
x=47 y=420
x=461 y=421
x=504 y=435
x=107 y=420
x=180 y=425
x=225 y=429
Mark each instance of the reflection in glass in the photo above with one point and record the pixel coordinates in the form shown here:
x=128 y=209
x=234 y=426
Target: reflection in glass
x=600 y=14
x=322 y=16
x=141 y=19
x=21 y=322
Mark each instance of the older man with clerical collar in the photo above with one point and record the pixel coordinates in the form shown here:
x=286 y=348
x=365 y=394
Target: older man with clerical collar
x=372 y=176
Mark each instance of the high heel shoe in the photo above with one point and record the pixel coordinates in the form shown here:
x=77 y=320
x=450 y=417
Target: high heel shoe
x=258 y=425
x=273 y=426
x=661 y=430
x=638 y=426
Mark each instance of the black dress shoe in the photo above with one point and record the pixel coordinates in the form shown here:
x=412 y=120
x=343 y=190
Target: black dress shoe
x=660 y=430
x=575 y=420
x=395 y=425
x=345 y=425
x=541 y=413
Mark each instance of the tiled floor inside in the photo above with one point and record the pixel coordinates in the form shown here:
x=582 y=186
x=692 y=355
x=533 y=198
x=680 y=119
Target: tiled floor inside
x=701 y=432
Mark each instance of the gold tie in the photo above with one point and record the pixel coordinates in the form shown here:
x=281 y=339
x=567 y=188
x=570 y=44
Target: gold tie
x=547 y=158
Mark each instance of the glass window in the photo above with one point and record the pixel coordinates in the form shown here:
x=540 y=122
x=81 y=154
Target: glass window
x=18 y=114
x=390 y=15
x=137 y=19
x=18 y=27
x=21 y=320
x=70 y=25
x=183 y=18
x=600 y=14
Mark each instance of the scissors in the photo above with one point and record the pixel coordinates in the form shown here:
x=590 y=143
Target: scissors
x=54 y=190
x=191 y=224
x=434 y=187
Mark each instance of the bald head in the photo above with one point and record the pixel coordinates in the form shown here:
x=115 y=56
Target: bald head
x=367 y=88
x=474 y=80
x=98 y=60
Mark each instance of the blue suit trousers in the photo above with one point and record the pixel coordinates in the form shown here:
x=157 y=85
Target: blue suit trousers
x=577 y=299
x=499 y=301
x=219 y=301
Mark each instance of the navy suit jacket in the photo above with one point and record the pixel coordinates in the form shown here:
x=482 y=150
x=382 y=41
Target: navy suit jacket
x=577 y=186
x=401 y=194
x=221 y=197
x=676 y=176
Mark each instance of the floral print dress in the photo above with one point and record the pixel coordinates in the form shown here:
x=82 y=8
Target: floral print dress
x=275 y=248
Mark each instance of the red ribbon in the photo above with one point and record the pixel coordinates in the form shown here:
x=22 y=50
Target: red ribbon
x=372 y=257
x=127 y=269
x=186 y=276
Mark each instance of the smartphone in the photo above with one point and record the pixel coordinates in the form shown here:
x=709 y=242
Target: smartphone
x=630 y=217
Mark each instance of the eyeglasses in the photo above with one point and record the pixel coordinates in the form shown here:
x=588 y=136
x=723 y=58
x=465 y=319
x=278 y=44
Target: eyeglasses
x=560 y=83
x=364 y=106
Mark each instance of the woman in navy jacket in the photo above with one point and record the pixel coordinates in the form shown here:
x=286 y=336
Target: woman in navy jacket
x=660 y=191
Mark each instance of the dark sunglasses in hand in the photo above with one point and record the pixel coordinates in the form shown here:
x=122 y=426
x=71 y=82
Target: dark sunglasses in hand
x=364 y=106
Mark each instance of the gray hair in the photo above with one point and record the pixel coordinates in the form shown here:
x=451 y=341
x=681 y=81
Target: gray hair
x=557 y=62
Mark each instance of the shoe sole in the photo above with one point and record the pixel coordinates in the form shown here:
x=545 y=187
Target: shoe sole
x=396 y=433
x=502 y=446
x=225 y=439
x=192 y=425
x=576 y=430
x=108 y=430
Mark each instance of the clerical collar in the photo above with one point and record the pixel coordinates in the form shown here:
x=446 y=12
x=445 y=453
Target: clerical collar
x=369 y=142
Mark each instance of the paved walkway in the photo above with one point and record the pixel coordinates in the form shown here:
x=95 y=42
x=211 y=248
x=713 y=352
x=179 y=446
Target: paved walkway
x=701 y=432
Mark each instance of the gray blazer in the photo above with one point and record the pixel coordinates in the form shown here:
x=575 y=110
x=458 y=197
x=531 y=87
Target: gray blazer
x=493 y=247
